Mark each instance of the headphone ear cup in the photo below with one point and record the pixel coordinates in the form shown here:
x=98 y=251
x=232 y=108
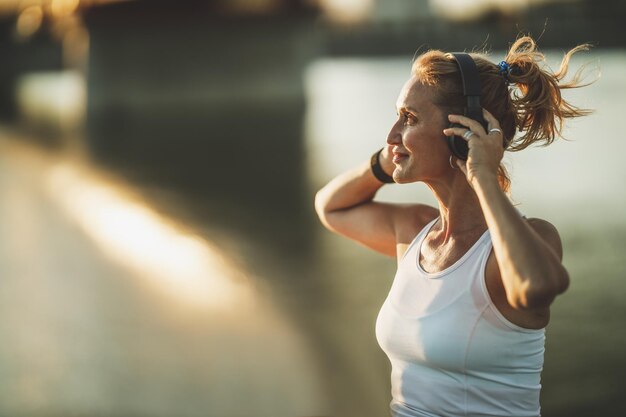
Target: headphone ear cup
x=458 y=145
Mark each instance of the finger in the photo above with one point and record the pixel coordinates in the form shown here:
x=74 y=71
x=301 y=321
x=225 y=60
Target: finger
x=459 y=131
x=492 y=122
x=472 y=124
x=495 y=131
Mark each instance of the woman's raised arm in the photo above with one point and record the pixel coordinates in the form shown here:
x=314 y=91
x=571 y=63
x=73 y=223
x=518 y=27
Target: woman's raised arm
x=345 y=206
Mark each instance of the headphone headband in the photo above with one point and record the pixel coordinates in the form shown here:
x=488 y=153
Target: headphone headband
x=469 y=74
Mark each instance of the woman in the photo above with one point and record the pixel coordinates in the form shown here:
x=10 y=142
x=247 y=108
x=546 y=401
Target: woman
x=464 y=322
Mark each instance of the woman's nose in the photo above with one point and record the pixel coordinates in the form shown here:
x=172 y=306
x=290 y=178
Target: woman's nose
x=394 y=136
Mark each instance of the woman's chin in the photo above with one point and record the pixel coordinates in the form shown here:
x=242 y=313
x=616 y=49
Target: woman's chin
x=399 y=178
x=402 y=177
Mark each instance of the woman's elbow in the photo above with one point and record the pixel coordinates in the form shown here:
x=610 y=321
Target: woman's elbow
x=320 y=203
x=540 y=296
x=321 y=208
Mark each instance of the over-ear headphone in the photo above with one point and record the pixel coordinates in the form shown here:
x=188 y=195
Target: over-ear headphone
x=471 y=91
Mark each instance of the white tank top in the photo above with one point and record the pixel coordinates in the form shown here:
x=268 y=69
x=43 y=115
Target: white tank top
x=452 y=352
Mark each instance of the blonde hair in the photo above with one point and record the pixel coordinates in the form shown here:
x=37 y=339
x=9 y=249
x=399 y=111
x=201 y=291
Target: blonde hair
x=533 y=104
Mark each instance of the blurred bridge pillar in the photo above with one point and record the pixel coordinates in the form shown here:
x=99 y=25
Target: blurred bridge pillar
x=211 y=104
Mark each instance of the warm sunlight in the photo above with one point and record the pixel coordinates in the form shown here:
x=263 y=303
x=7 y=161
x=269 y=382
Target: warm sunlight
x=347 y=10
x=179 y=263
x=464 y=10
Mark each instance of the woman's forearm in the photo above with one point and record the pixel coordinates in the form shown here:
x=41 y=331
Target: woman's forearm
x=347 y=190
x=531 y=272
x=354 y=187
x=345 y=207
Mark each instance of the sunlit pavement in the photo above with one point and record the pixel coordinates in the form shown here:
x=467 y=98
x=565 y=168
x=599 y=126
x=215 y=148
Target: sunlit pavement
x=108 y=308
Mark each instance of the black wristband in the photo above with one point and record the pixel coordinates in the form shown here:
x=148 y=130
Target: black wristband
x=378 y=171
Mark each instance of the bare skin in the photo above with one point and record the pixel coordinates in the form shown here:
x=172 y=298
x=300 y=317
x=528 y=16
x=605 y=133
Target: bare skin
x=524 y=272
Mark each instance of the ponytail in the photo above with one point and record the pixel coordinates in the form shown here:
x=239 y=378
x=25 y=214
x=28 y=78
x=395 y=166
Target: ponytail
x=536 y=96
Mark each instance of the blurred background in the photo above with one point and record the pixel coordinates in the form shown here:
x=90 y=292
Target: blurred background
x=158 y=162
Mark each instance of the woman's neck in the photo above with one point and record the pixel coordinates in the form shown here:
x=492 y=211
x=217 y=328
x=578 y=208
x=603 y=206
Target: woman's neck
x=460 y=212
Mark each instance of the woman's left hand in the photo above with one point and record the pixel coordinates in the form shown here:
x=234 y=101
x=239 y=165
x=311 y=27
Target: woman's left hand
x=485 y=149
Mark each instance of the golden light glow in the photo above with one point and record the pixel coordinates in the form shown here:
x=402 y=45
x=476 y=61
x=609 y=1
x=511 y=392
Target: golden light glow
x=178 y=263
x=465 y=10
x=347 y=11
x=61 y=8
x=29 y=21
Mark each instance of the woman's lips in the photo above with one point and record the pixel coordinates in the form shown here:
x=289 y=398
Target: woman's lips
x=397 y=157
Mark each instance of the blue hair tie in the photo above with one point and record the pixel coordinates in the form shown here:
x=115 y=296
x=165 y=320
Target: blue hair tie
x=505 y=70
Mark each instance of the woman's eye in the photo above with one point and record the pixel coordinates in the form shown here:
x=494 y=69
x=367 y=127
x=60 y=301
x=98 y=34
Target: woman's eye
x=409 y=118
x=406 y=118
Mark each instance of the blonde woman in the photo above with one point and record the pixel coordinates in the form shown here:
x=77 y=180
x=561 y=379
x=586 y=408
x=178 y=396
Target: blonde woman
x=464 y=321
